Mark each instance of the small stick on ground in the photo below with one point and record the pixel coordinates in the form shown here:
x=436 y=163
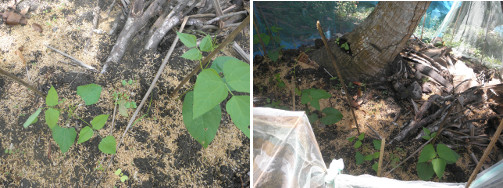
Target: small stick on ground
x=74 y=59
x=486 y=153
x=332 y=58
x=38 y=92
x=205 y=61
x=381 y=154
x=241 y=52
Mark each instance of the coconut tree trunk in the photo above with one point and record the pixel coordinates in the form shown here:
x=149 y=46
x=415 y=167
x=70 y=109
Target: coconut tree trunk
x=376 y=41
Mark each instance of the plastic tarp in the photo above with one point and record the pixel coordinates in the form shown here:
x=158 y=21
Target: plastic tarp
x=286 y=154
x=476 y=30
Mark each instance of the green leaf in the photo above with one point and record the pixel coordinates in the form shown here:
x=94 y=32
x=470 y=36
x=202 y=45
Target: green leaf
x=52 y=97
x=237 y=75
x=359 y=158
x=90 y=93
x=276 y=29
x=274 y=55
x=219 y=62
x=32 y=119
x=447 y=154
x=209 y=91
x=350 y=139
x=206 y=45
x=426 y=131
x=124 y=178
x=345 y=46
x=64 y=137
x=99 y=121
x=424 y=171
x=426 y=137
x=438 y=166
x=193 y=54
x=375 y=166
x=124 y=82
x=118 y=172
x=122 y=108
x=187 y=39
x=427 y=153
x=107 y=145
x=265 y=39
x=203 y=128
x=369 y=157
x=312 y=118
x=51 y=117
x=313 y=96
x=377 y=144
x=332 y=116
x=85 y=134
x=361 y=136
x=357 y=144
x=376 y=155
x=238 y=108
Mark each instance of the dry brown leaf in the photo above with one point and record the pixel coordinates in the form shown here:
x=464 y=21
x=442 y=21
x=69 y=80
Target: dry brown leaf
x=37 y=27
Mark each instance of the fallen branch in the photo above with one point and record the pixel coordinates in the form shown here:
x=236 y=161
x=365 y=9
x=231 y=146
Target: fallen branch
x=224 y=16
x=332 y=58
x=74 y=59
x=205 y=61
x=132 y=26
x=169 y=22
x=38 y=92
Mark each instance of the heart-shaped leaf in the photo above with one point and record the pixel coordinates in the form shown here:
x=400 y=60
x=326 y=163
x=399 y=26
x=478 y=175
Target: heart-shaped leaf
x=238 y=108
x=447 y=154
x=219 y=62
x=424 y=171
x=51 y=117
x=90 y=93
x=85 y=134
x=237 y=75
x=187 y=39
x=52 y=97
x=332 y=116
x=438 y=166
x=64 y=137
x=427 y=153
x=107 y=145
x=193 y=54
x=203 y=128
x=209 y=91
x=206 y=44
x=99 y=121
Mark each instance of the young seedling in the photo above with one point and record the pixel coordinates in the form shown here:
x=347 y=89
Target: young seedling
x=122 y=99
x=312 y=97
x=434 y=161
x=122 y=177
x=65 y=137
x=360 y=158
x=201 y=107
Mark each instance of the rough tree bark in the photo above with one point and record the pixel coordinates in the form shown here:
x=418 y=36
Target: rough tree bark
x=376 y=41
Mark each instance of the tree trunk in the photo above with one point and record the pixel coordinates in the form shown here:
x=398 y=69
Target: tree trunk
x=376 y=41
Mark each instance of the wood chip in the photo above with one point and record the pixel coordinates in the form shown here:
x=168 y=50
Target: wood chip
x=37 y=27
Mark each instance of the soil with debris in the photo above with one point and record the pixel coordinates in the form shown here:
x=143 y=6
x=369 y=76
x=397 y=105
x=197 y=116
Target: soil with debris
x=157 y=151
x=379 y=107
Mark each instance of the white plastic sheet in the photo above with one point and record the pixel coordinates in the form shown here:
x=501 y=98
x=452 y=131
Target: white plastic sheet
x=286 y=154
